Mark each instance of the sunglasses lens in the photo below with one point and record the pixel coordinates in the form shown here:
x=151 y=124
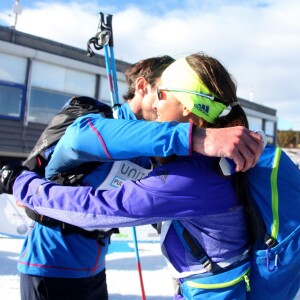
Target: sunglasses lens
x=159 y=94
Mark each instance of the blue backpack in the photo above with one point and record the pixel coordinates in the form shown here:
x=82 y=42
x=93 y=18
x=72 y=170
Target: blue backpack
x=274 y=187
x=274 y=268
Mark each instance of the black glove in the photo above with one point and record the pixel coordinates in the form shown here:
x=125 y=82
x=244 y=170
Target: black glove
x=8 y=175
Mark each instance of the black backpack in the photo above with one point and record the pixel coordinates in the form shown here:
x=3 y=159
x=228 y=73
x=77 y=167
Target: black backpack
x=38 y=158
x=76 y=107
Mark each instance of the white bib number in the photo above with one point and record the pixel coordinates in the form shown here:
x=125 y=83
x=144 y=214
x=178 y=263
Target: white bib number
x=121 y=171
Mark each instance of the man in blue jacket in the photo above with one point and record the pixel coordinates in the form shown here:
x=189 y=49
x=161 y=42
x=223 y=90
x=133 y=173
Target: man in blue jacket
x=73 y=266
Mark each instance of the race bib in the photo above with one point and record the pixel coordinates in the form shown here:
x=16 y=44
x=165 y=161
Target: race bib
x=121 y=171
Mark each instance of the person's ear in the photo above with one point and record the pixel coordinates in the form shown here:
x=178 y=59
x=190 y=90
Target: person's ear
x=141 y=85
x=186 y=112
x=192 y=117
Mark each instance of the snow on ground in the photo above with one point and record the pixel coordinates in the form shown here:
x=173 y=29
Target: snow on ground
x=122 y=275
x=294 y=155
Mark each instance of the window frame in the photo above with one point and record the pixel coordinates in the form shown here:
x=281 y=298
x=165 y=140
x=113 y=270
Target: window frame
x=23 y=101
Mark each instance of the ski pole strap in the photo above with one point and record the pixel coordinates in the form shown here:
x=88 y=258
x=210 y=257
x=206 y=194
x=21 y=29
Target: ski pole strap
x=103 y=36
x=195 y=248
x=108 y=27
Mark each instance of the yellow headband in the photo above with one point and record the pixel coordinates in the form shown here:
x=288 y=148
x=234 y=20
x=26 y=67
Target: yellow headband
x=179 y=75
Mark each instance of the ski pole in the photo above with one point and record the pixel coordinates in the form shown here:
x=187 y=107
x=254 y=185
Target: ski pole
x=109 y=76
x=113 y=68
x=138 y=262
x=110 y=54
x=104 y=39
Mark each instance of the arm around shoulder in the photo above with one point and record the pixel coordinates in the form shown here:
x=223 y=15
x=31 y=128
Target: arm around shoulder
x=238 y=143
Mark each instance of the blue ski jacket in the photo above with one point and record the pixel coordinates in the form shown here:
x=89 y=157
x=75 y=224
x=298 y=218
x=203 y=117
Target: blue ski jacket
x=95 y=138
x=188 y=189
x=48 y=252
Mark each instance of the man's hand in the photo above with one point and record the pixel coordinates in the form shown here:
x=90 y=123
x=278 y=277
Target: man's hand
x=8 y=175
x=238 y=143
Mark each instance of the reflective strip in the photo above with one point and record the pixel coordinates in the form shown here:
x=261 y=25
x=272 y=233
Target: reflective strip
x=274 y=188
x=210 y=286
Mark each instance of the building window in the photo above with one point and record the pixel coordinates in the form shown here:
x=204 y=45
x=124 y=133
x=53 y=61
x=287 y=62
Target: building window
x=62 y=79
x=255 y=123
x=12 y=100
x=43 y=105
x=270 y=128
x=52 y=85
x=105 y=90
x=13 y=68
x=270 y=131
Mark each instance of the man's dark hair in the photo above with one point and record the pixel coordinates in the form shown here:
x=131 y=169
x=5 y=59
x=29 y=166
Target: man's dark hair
x=150 y=68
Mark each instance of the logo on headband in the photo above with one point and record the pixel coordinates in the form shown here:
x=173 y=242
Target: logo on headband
x=203 y=108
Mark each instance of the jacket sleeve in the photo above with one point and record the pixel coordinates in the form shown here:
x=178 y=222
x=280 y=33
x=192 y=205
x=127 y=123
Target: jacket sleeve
x=93 y=138
x=150 y=200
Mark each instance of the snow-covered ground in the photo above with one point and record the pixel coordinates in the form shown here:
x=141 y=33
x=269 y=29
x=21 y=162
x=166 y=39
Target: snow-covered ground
x=122 y=275
x=294 y=154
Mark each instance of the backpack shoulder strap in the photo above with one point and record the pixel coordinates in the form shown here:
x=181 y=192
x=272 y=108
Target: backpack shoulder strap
x=73 y=177
x=274 y=188
x=194 y=247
